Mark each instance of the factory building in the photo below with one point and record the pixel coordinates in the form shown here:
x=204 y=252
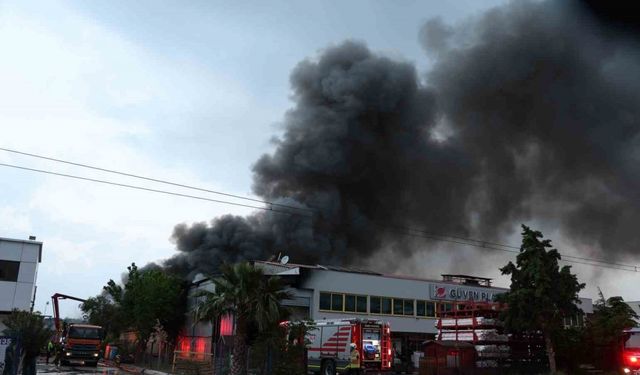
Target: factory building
x=409 y=304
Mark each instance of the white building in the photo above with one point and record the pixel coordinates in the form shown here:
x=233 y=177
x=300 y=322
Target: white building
x=19 y=261
x=409 y=304
x=635 y=306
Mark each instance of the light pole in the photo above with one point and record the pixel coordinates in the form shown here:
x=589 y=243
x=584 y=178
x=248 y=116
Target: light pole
x=45 y=308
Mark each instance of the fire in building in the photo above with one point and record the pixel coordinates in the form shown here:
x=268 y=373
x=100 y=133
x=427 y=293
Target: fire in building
x=409 y=304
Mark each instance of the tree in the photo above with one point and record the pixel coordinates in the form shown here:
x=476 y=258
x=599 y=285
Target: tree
x=149 y=297
x=29 y=329
x=244 y=292
x=606 y=327
x=541 y=292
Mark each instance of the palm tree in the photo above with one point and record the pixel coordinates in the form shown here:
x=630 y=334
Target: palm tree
x=244 y=292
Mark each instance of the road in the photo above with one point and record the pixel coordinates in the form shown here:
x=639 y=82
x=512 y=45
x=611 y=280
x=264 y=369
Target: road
x=43 y=368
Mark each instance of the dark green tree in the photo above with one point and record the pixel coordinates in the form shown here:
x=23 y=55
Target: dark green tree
x=541 y=292
x=153 y=296
x=29 y=329
x=253 y=299
x=611 y=316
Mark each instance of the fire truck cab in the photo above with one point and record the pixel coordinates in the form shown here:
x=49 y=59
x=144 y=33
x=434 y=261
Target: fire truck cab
x=349 y=346
x=631 y=352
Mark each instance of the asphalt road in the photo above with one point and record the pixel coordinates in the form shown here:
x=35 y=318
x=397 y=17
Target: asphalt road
x=43 y=368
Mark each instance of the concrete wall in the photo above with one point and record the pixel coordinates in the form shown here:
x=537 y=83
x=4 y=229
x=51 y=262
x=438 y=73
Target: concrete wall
x=20 y=294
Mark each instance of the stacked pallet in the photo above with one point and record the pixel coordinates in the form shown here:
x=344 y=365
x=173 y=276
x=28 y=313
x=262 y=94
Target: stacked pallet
x=478 y=324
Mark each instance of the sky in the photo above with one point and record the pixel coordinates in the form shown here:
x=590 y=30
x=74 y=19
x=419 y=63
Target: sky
x=190 y=92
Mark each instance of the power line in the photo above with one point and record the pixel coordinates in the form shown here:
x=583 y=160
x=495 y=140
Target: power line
x=166 y=182
x=149 y=189
x=594 y=262
x=402 y=230
x=508 y=248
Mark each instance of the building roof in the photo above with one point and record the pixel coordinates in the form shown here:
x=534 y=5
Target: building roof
x=290 y=269
x=26 y=241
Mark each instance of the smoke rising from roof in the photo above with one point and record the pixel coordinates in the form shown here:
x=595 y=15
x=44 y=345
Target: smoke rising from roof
x=529 y=112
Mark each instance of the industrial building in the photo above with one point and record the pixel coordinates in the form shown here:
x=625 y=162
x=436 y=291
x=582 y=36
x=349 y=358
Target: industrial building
x=409 y=304
x=19 y=260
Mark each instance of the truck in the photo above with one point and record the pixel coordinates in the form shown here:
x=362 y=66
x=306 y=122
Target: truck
x=79 y=343
x=348 y=346
x=631 y=352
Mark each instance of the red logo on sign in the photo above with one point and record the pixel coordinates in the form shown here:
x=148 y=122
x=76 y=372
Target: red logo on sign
x=441 y=292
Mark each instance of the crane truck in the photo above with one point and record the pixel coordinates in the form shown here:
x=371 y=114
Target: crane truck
x=80 y=343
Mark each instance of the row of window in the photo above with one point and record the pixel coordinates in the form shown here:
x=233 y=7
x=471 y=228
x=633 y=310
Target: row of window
x=340 y=302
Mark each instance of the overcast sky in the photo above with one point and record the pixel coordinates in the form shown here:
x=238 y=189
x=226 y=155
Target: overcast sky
x=186 y=91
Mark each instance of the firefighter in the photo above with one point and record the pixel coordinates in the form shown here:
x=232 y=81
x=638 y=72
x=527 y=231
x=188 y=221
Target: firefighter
x=57 y=353
x=50 y=347
x=355 y=357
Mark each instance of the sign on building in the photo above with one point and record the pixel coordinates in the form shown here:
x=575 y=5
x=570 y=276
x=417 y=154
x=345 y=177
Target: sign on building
x=461 y=293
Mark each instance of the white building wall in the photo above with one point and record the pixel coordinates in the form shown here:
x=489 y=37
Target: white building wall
x=376 y=285
x=19 y=294
x=635 y=306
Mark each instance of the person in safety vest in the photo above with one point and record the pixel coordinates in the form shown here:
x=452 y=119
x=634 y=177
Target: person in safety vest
x=355 y=356
x=49 y=350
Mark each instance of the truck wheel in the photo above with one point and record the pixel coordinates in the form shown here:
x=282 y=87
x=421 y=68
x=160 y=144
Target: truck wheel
x=328 y=368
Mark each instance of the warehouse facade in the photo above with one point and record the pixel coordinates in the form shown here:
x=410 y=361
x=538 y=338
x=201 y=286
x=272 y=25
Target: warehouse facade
x=408 y=304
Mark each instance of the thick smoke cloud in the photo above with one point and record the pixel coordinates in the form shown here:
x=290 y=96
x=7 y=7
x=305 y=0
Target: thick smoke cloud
x=529 y=112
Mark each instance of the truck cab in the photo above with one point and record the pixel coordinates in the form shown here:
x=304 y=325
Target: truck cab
x=81 y=344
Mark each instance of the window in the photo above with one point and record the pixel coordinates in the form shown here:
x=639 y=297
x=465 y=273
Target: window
x=445 y=307
x=408 y=307
x=426 y=308
x=374 y=305
x=361 y=304
x=353 y=303
x=431 y=309
x=386 y=306
x=331 y=301
x=402 y=306
x=421 y=308
x=325 y=301
x=9 y=270
x=84 y=333
x=397 y=306
x=346 y=302
x=350 y=303
x=337 y=302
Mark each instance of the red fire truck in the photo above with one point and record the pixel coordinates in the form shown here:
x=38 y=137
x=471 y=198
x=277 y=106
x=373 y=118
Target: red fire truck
x=352 y=346
x=631 y=352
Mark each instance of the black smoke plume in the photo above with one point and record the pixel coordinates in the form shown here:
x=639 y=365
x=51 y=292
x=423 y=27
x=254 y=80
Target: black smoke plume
x=530 y=111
